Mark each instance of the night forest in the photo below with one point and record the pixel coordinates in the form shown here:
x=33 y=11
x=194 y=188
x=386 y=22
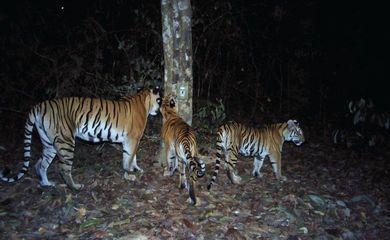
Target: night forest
x=256 y=62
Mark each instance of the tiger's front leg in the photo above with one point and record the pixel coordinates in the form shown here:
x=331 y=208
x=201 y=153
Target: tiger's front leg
x=275 y=159
x=257 y=164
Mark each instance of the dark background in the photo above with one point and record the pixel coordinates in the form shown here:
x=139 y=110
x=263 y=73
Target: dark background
x=267 y=60
x=263 y=60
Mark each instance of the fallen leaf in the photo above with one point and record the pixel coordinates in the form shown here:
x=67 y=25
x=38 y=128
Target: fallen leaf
x=80 y=214
x=114 y=206
x=233 y=233
x=118 y=223
x=188 y=224
x=319 y=213
x=91 y=222
x=317 y=200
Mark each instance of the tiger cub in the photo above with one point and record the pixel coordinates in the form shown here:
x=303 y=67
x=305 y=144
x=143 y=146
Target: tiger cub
x=60 y=121
x=180 y=146
x=234 y=138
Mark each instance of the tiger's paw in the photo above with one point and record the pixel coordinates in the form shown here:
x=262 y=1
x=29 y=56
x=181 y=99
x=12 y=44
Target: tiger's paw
x=137 y=169
x=282 y=178
x=194 y=202
x=166 y=172
x=236 y=179
x=47 y=184
x=183 y=185
x=129 y=177
x=257 y=174
x=77 y=186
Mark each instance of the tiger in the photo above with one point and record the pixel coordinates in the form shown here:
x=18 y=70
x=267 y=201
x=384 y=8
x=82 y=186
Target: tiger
x=179 y=143
x=59 y=121
x=370 y=123
x=365 y=113
x=235 y=138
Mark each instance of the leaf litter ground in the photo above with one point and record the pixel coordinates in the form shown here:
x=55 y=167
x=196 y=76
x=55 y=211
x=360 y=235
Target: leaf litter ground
x=331 y=193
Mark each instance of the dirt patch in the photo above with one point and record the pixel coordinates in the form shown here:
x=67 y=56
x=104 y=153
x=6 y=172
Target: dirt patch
x=330 y=193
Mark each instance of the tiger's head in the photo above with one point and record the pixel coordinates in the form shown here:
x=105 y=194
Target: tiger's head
x=359 y=109
x=168 y=105
x=294 y=133
x=155 y=100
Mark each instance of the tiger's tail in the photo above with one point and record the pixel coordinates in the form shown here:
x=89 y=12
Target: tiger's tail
x=198 y=167
x=28 y=129
x=197 y=170
x=217 y=163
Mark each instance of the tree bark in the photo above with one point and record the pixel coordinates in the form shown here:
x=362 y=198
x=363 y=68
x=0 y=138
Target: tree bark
x=177 y=42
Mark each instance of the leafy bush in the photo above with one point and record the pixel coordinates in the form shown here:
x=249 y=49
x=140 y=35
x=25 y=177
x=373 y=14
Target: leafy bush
x=211 y=115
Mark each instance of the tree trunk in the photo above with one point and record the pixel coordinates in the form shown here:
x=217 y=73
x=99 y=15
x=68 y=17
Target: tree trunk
x=177 y=41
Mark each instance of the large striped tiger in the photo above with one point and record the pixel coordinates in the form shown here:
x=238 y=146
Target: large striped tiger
x=234 y=138
x=179 y=143
x=60 y=121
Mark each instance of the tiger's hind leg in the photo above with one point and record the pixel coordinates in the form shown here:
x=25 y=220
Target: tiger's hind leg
x=257 y=164
x=230 y=165
x=43 y=164
x=172 y=161
x=129 y=154
x=65 y=151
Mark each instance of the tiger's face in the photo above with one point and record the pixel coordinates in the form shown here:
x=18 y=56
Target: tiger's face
x=168 y=105
x=155 y=101
x=294 y=133
x=360 y=110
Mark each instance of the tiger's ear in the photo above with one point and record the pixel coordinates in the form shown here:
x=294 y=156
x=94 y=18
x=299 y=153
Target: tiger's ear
x=139 y=89
x=362 y=103
x=172 y=103
x=292 y=123
x=156 y=90
x=351 y=107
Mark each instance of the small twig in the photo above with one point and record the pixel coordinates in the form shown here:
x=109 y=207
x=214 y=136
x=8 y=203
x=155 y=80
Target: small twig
x=42 y=56
x=249 y=96
x=21 y=92
x=206 y=28
x=151 y=137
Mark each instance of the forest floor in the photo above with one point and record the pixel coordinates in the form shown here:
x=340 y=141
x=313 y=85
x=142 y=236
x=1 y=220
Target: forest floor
x=331 y=193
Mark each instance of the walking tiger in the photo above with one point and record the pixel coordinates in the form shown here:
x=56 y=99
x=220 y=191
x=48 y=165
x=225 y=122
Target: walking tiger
x=180 y=146
x=234 y=138
x=60 y=121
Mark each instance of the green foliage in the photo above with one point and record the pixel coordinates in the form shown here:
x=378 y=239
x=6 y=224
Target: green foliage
x=211 y=115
